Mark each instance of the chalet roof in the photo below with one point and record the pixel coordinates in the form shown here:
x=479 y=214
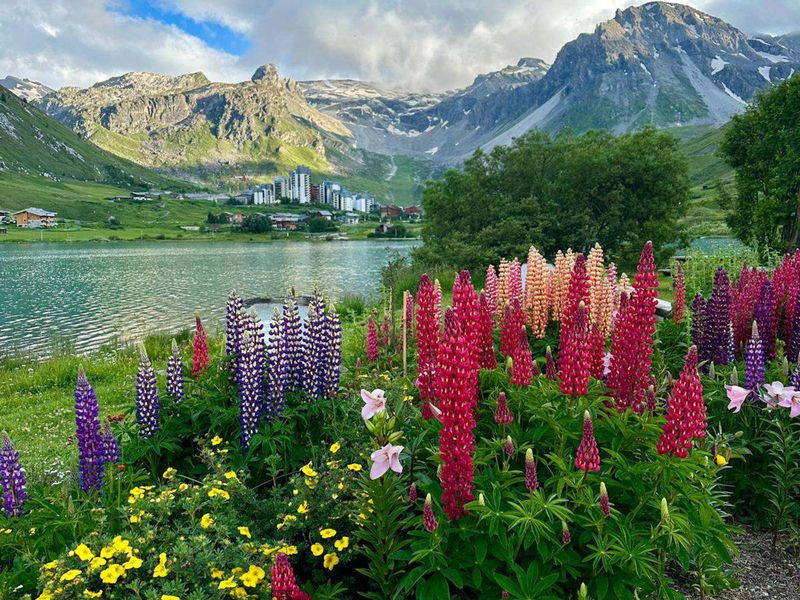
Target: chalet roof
x=36 y=211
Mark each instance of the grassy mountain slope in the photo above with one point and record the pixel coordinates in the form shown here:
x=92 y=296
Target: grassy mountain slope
x=31 y=143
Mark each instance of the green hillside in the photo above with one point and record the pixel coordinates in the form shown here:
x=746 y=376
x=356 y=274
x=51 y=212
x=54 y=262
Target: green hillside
x=33 y=144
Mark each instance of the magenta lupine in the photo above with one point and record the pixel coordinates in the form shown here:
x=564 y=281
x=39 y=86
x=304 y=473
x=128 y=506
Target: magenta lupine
x=12 y=479
x=508 y=446
x=250 y=381
x=372 y=340
x=428 y=326
x=408 y=317
x=604 y=504
x=87 y=432
x=566 y=536
x=764 y=314
x=412 y=492
x=754 y=361
x=148 y=404
x=175 y=374
x=587 y=458
x=428 y=518
x=109 y=445
x=278 y=365
x=502 y=415
x=531 y=476
x=550 y=365
x=293 y=334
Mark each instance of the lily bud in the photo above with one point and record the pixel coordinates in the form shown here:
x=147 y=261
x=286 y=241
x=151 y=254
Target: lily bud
x=583 y=593
x=712 y=372
x=734 y=376
x=481 y=499
x=785 y=366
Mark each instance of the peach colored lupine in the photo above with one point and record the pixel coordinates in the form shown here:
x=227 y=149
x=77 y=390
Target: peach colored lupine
x=502 y=287
x=536 y=308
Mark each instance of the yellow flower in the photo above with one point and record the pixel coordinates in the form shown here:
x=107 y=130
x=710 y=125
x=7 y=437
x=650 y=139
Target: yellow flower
x=183 y=487
x=245 y=531
x=340 y=486
x=70 y=575
x=303 y=508
x=308 y=471
x=112 y=573
x=84 y=553
x=50 y=566
x=134 y=562
x=120 y=545
x=335 y=447
x=289 y=550
x=136 y=493
x=239 y=593
x=213 y=492
x=45 y=595
x=721 y=460
x=232 y=475
x=216 y=440
x=317 y=549
x=206 y=521
x=342 y=543
x=310 y=483
x=97 y=562
x=108 y=552
x=330 y=561
x=91 y=594
x=217 y=573
x=161 y=569
x=227 y=584
x=253 y=576
x=169 y=473
x=327 y=533
x=137 y=518
x=168 y=597
x=354 y=467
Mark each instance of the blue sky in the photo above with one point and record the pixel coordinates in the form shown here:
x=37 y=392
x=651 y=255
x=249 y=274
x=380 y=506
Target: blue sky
x=215 y=34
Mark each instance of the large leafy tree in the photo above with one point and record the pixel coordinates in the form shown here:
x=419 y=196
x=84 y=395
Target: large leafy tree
x=558 y=192
x=763 y=145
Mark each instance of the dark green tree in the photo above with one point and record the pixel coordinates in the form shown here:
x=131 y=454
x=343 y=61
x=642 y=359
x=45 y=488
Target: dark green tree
x=763 y=145
x=257 y=224
x=555 y=193
x=321 y=225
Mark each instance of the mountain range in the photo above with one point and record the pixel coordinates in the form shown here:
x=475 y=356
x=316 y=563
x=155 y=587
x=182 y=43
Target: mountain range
x=660 y=64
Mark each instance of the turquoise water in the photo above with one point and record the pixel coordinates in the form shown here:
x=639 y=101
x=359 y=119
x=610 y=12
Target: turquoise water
x=87 y=295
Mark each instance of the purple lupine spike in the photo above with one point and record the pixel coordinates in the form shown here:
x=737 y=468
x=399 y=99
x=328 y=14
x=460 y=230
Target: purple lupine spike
x=717 y=325
x=250 y=382
x=334 y=351
x=148 y=404
x=315 y=350
x=255 y=329
x=764 y=314
x=731 y=343
x=277 y=366
x=109 y=445
x=754 y=361
x=794 y=378
x=698 y=325
x=12 y=479
x=175 y=374
x=293 y=331
x=793 y=344
x=87 y=432
x=234 y=327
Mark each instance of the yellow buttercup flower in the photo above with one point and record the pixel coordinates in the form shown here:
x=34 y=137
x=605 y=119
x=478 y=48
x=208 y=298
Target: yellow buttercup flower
x=84 y=553
x=227 y=584
x=342 y=543
x=216 y=440
x=97 y=562
x=183 y=487
x=45 y=595
x=330 y=561
x=112 y=573
x=232 y=475
x=120 y=545
x=70 y=575
x=303 y=508
x=136 y=493
x=169 y=473
x=217 y=573
x=108 y=552
x=161 y=569
x=253 y=577
x=289 y=550
x=310 y=483
x=168 y=597
x=134 y=562
x=245 y=531
x=721 y=460
x=308 y=471
x=50 y=566
x=354 y=467
x=206 y=521
x=92 y=594
x=317 y=549
x=327 y=533
x=214 y=492
x=335 y=447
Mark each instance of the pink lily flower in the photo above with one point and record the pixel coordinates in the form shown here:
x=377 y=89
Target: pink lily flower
x=737 y=395
x=437 y=414
x=777 y=391
x=792 y=403
x=374 y=402
x=384 y=459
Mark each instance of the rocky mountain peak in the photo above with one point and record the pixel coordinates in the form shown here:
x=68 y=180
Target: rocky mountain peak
x=268 y=72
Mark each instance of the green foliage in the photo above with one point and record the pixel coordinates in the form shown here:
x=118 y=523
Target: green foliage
x=257 y=224
x=555 y=193
x=321 y=225
x=763 y=145
x=700 y=266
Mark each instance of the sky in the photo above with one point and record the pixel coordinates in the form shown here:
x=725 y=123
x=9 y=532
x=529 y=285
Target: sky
x=420 y=45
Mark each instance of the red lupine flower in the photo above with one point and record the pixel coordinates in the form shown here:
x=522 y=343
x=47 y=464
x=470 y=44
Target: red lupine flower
x=550 y=365
x=587 y=458
x=535 y=368
x=199 y=348
x=372 y=340
x=632 y=346
x=604 y=505
x=408 y=316
x=513 y=320
x=427 y=337
x=566 y=536
x=467 y=310
x=574 y=358
x=686 y=411
x=522 y=361
x=412 y=492
x=502 y=415
x=597 y=352
x=283 y=584
x=456 y=392
x=531 y=476
x=508 y=447
x=486 y=334
x=679 y=306
x=577 y=292
x=428 y=518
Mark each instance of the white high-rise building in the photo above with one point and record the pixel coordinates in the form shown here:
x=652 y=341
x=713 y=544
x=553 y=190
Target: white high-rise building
x=301 y=185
